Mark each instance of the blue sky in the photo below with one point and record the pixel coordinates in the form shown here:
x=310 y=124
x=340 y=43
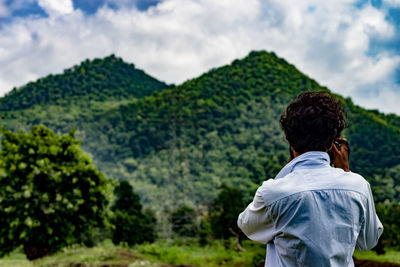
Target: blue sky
x=26 y=8
x=351 y=46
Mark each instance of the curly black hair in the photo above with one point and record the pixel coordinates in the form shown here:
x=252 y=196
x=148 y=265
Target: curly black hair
x=313 y=121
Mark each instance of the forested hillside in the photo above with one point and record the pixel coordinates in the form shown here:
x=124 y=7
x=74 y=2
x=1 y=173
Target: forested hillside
x=99 y=80
x=180 y=144
x=72 y=99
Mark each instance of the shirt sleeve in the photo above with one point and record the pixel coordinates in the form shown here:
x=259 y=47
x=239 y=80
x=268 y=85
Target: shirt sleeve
x=372 y=227
x=256 y=220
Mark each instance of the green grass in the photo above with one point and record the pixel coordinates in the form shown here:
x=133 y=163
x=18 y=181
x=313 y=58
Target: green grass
x=186 y=251
x=389 y=256
x=218 y=253
x=15 y=259
x=97 y=256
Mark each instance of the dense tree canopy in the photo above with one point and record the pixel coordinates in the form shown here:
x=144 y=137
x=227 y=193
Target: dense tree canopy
x=100 y=80
x=51 y=194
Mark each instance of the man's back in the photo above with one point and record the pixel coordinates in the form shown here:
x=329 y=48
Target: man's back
x=313 y=216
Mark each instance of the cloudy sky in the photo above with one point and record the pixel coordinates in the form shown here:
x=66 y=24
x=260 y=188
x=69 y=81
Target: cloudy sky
x=353 y=47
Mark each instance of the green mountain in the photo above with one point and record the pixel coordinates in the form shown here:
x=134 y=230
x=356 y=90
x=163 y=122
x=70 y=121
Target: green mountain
x=99 y=80
x=71 y=99
x=179 y=144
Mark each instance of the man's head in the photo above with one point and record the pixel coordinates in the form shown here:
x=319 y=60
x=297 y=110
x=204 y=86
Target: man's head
x=313 y=121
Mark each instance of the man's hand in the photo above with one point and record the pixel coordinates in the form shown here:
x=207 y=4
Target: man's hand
x=341 y=157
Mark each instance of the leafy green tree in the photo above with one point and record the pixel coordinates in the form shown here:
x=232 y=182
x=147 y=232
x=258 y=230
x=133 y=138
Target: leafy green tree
x=132 y=225
x=184 y=222
x=224 y=213
x=389 y=214
x=51 y=195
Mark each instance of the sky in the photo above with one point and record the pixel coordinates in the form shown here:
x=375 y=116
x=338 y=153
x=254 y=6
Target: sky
x=350 y=46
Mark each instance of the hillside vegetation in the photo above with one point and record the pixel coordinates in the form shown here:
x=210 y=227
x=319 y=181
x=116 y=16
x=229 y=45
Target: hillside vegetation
x=178 y=144
x=100 y=80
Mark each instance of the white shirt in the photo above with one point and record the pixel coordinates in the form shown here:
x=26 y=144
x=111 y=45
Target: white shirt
x=312 y=214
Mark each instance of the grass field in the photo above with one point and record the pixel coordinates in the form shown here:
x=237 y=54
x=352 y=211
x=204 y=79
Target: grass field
x=166 y=253
x=389 y=256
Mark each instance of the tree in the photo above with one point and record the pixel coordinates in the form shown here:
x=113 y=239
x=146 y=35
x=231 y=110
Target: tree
x=132 y=225
x=225 y=211
x=389 y=214
x=51 y=195
x=184 y=222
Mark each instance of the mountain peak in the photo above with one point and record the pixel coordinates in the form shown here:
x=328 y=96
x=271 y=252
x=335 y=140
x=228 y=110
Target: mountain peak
x=97 y=79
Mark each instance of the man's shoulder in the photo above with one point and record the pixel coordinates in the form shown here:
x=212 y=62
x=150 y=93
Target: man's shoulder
x=312 y=180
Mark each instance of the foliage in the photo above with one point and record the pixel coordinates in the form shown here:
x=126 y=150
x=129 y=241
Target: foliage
x=224 y=212
x=126 y=199
x=183 y=221
x=204 y=231
x=179 y=144
x=373 y=143
x=132 y=225
x=51 y=195
x=109 y=78
x=386 y=187
x=389 y=214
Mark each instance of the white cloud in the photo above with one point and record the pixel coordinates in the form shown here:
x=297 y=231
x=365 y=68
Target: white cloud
x=180 y=39
x=7 y=7
x=3 y=9
x=53 y=7
x=392 y=3
x=369 y=23
x=387 y=96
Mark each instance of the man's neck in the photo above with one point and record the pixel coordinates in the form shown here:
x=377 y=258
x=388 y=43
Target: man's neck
x=296 y=154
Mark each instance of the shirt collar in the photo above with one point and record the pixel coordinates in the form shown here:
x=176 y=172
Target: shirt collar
x=309 y=160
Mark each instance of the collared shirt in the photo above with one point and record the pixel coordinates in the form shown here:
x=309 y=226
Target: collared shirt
x=312 y=214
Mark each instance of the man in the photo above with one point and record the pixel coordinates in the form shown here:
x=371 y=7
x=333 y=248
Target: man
x=313 y=214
